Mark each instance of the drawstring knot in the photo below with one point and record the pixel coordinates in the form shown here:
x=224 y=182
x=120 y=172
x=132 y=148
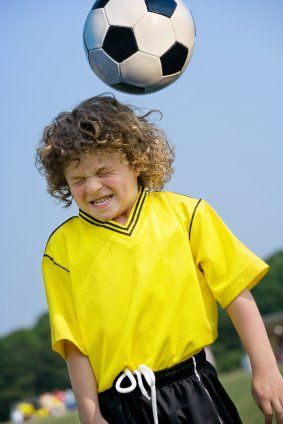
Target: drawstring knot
x=150 y=379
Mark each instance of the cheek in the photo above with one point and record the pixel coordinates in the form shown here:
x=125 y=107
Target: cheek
x=77 y=192
x=112 y=181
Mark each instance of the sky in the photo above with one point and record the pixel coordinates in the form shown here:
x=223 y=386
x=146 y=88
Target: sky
x=224 y=115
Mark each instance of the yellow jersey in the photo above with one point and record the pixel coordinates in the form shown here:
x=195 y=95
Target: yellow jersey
x=144 y=292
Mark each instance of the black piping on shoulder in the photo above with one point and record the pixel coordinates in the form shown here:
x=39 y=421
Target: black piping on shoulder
x=181 y=194
x=69 y=219
x=193 y=218
x=55 y=263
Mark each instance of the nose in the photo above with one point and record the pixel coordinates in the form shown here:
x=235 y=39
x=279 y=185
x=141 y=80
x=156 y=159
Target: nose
x=93 y=185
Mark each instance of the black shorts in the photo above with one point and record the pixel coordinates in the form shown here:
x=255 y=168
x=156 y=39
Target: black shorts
x=188 y=392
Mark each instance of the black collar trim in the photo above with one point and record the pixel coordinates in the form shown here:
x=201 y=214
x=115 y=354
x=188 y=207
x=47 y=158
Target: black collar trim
x=115 y=226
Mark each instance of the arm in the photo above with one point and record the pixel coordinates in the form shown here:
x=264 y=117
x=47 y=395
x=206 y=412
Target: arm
x=267 y=382
x=84 y=385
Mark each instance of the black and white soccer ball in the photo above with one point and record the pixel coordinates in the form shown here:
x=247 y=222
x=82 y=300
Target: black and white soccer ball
x=139 y=46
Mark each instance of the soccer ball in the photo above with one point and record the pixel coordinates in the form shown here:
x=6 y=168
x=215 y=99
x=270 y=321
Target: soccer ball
x=139 y=46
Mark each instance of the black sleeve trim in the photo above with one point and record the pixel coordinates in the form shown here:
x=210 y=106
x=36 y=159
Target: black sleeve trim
x=193 y=218
x=55 y=263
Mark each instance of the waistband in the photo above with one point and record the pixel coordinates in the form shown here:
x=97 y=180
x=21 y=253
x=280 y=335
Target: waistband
x=181 y=370
x=147 y=379
x=144 y=377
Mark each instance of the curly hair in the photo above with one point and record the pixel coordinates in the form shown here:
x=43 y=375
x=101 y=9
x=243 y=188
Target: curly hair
x=103 y=123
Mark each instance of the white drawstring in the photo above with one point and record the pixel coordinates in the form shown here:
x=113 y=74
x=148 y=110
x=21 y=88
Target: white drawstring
x=150 y=379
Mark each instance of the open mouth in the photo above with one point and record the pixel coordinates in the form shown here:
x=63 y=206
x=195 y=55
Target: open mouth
x=102 y=201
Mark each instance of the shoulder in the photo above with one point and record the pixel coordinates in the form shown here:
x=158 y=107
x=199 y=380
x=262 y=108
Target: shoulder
x=57 y=238
x=183 y=207
x=176 y=201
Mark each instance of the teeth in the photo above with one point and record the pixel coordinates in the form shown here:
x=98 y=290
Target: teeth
x=100 y=201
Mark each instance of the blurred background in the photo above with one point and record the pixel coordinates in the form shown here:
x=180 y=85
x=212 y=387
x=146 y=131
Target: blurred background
x=224 y=115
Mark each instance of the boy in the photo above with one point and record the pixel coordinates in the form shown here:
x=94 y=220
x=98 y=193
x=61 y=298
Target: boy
x=132 y=281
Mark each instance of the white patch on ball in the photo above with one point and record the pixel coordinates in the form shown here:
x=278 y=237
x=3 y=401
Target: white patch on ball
x=190 y=54
x=154 y=34
x=105 y=67
x=184 y=26
x=125 y=12
x=162 y=82
x=95 y=29
x=141 y=69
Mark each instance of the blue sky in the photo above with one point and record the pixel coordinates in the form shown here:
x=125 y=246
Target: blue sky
x=224 y=115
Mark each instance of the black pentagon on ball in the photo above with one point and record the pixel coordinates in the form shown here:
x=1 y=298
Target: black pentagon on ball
x=174 y=59
x=163 y=7
x=99 y=3
x=128 y=88
x=120 y=43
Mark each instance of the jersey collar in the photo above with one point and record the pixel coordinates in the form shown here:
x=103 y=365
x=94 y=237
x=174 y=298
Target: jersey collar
x=115 y=226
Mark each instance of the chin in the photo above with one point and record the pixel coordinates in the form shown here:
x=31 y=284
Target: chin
x=102 y=217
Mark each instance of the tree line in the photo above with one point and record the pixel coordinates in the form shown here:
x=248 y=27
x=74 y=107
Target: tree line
x=29 y=367
x=268 y=295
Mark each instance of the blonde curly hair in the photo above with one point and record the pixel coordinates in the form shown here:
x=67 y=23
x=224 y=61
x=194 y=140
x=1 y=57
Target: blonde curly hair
x=98 y=124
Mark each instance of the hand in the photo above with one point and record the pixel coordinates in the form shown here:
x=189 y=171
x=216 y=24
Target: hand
x=101 y=420
x=267 y=390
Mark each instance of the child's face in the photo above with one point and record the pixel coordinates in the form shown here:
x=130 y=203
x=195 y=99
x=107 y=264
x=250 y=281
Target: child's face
x=103 y=186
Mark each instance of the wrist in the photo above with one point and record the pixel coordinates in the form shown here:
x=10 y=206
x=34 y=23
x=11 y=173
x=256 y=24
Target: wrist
x=99 y=420
x=90 y=417
x=264 y=365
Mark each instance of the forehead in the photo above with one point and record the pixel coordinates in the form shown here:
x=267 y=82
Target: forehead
x=93 y=162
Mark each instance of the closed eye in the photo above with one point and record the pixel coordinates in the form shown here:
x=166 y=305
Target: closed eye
x=105 y=173
x=79 y=182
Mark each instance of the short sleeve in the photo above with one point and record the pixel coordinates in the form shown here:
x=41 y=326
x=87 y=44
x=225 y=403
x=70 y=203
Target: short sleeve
x=228 y=265
x=61 y=307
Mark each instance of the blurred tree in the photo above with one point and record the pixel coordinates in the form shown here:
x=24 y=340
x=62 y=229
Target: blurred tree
x=268 y=295
x=18 y=354
x=50 y=370
x=28 y=365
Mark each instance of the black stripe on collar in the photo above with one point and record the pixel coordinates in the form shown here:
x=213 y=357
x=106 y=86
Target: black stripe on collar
x=119 y=228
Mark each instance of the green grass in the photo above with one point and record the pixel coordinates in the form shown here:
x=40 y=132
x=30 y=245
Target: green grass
x=69 y=418
x=237 y=384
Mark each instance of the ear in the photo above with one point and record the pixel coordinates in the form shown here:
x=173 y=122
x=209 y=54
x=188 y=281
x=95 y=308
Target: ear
x=136 y=173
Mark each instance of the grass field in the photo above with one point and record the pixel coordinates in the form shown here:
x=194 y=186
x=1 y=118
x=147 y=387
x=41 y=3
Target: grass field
x=238 y=386
x=236 y=383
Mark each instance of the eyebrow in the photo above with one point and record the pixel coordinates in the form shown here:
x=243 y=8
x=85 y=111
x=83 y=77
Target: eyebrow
x=78 y=177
